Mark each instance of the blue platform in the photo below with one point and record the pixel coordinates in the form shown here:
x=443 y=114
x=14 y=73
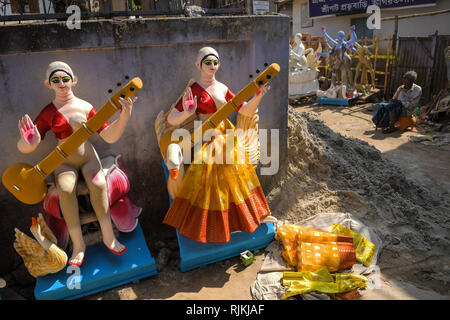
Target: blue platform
x=195 y=254
x=100 y=271
x=333 y=101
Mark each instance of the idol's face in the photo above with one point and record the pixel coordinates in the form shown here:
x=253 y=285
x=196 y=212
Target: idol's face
x=340 y=35
x=61 y=82
x=210 y=65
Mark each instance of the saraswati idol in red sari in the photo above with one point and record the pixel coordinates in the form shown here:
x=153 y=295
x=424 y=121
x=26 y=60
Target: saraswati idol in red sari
x=63 y=116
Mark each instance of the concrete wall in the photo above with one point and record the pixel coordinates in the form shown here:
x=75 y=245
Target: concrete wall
x=419 y=27
x=162 y=53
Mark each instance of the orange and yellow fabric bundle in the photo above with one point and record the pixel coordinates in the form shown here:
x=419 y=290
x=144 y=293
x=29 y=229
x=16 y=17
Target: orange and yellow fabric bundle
x=310 y=249
x=316 y=253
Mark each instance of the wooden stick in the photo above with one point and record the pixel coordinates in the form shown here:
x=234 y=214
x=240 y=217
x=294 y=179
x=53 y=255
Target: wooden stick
x=388 y=61
x=426 y=14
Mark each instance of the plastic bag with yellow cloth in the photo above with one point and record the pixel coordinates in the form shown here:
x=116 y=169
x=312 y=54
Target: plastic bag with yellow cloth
x=365 y=249
x=322 y=281
x=287 y=234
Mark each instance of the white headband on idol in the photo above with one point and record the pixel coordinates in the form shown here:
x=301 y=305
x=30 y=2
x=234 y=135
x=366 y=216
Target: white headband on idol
x=56 y=66
x=205 y=52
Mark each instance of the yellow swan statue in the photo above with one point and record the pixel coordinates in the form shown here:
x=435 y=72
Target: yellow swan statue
x=43 y=256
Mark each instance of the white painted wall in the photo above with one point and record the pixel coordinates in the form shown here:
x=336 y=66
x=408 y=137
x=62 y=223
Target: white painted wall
x=421 y=26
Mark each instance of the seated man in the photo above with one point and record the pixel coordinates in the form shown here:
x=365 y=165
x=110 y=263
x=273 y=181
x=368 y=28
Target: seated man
x=405 y=101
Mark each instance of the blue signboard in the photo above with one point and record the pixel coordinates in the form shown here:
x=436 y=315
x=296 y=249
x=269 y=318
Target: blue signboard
x=324 y=7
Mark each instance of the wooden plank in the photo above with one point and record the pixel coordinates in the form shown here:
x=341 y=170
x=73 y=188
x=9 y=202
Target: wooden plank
x=426 y=14
x=428 y=53
x=34 y=6
x=15 y=8
x=118 y=5
x=88 y=217
x=376 y=57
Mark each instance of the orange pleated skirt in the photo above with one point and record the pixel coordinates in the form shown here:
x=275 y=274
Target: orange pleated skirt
x=215 y=199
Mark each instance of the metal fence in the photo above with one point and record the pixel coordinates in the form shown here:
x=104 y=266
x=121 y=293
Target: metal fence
x=21 y=10
x=426 y=56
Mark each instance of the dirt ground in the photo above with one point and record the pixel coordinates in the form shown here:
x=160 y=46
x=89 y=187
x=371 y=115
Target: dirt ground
x=426 y=163
x=228 y=280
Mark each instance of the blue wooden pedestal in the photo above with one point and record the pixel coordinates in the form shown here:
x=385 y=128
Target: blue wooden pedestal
x=195 y=254
x=333 y=101
x=100 y=271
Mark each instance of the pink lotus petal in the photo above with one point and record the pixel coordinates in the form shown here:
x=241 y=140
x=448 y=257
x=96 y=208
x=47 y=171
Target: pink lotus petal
x=124 y=214
x=51 y=203
x=118 y=185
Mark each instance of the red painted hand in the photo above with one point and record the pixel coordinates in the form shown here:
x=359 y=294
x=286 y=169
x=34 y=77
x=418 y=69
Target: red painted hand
x=28 y=130
x=262 y=91
x=189 y=101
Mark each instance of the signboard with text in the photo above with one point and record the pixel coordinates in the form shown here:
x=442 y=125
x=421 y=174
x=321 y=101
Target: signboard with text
x=260 y=7
x=324 y=7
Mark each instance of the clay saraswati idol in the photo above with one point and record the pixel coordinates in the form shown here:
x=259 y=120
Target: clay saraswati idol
x=220 y=192
x=73 y=121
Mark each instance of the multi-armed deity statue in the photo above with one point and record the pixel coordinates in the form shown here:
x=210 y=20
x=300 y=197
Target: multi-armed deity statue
x=341 y=77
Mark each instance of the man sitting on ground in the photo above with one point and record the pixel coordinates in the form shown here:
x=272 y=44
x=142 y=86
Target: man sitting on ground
x=404 y=103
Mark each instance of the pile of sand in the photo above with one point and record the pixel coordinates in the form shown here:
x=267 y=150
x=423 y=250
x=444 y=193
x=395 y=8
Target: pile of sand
x=327 y=172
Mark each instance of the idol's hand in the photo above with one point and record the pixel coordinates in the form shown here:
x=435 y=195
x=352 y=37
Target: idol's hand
x=127 y=106
x=352 y=28
x=189 y=102
x=324 y=30
x=262 y=91
x=28 y=131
